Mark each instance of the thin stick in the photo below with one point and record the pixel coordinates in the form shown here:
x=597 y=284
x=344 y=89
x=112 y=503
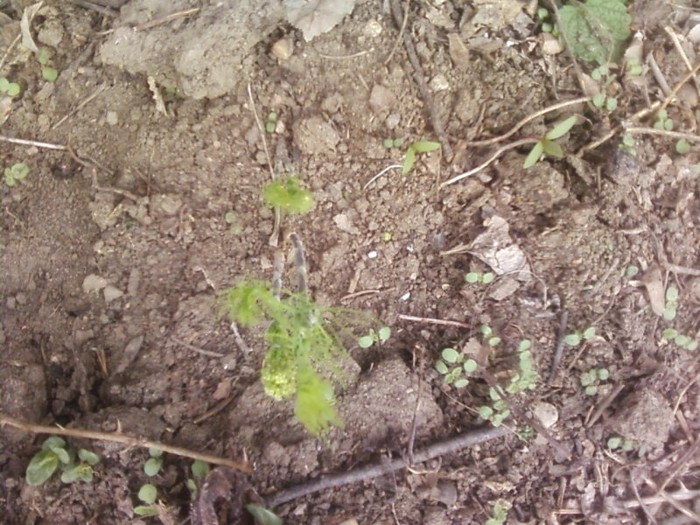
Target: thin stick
x=370 y=181
x=442 y=322
x=603 y=405
x=201 y=351
x=400 y=37
x=493 y=157
x=23 y=142
x=10 y=48
x=166 y=19
x=527 y=119
x=671 y=134
x=679 y=85
x=345 y=57
x=274 y=236
x=116 y=437
x=449 y=446
x=80 y=106
x=299 y=263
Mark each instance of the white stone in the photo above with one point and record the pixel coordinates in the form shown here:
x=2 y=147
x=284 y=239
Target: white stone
x=93 y=283
x=546 y=413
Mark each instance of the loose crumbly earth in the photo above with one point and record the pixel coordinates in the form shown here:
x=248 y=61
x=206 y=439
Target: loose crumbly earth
x=111 y=266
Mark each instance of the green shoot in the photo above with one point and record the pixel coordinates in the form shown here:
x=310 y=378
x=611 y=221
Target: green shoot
x=500 y=513
x=481 y=278
x=421 y=146
x=681 y=340
x=392 y=143
x=452 y=364
x=489 y=337
x=54 y=454
x=148 y=494
x=11 y=89
x=682 y=147
x=271 y=122
x=617 y=442
x=576 y=338
x=262 y=515
x=546 y=145
x=671 y=306
x=288 y=196
x=590 y=380
x=662 y=121
x=15 y=173
x=628 y=144
x=154 y=463
x=380 y=336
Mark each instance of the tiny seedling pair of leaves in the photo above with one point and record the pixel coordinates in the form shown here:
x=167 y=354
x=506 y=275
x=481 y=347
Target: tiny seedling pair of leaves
x=14 y=173
x=378 y=336
x=595 y=29
x=53 y=454
x=288 y=196
x=451 y=365
x=11 y=89
x=420 y=146
x=547 y=146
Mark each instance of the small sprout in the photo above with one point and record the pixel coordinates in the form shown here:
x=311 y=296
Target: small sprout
x=469 y=366
x=387 y=236
x=154 y=463
x=576 y=338
x=634 y=68
x=262 y=515
x=388 y=143
x=379 y=336
x=499 y=514
x=48 y=73
x=230 y=217
x=671 y=305
x=590 y=380
x=452 y=364
x=11 y=89
x=614 y=442
x=485 y=412
x=288 y=196
x=662 y=121
x=476 y=277
x=547 y=146
x=271 y=122
x=628 y=144
x=15 y=173
x=450 y=355
x=421 y=146
x=631 y=271
x=682 y=146
x=147 y=494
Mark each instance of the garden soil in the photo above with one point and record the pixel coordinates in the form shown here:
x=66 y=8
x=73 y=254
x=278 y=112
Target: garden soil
x=142 y=205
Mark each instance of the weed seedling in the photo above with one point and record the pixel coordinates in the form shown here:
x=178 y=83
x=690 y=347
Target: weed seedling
x=199 y=470
x=489 y=337
x=576 y=338
x=147 y=494
x=590 y=381
x=452 y=364
x=546 y=145
x=271 y=122
x=420 y=146
x=154 y=463
x=262 y=515
x=288 y=196
x=627 y=144
x=53 y=454
x=373 y=336
x=481 y=278
x=48 y=73
x=15 y=173
x=682 y=147
x=11 y=89
x=683 y=341
x=620 y=443
x=662 y=121
x=392 y=143
x=671 y=306
x=499 y=513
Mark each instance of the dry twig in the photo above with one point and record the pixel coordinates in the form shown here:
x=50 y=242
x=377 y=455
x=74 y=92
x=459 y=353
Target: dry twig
x=443 y=322
x=167 y=18
x=116 y=437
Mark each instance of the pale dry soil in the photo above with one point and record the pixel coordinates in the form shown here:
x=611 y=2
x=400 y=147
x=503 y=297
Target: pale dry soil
x=111 y=266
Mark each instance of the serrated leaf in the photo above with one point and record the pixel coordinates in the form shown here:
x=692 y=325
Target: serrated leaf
x=534 y=156
x=408 y=161
x=425 y=146
x=562 y=128
x=450 y=355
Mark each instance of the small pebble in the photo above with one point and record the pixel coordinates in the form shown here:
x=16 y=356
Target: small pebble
x=94 y=283
x=111 y=293
x=546 y=413
x=439 y=83
x=372 y=29
x=372 y=255
x=283 y=48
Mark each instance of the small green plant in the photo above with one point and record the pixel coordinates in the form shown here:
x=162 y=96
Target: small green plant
x=154 y=463
x=620 y=443
x=481 y=278
x=387 y=236
x=147 y=494
x=489 y=337
x=595 y=29
x=11 y=89
x=199 y=470
x=682 y=147
x=546 y=145
x=288 y=196
x=231 y=219
x=601 y=100
x=392 y=143
x=379 y=336
x=576 y=338
x=590 y=380
x=631 y=271
x=499 y=513
x=452 y=364
x=663 y=121
x=627 y=144
x=16 y=172
x=544 y=20
x=420 y=146
x=271 y=122
x=671 y=306
x=683 y=341
x=634 y=68
x=48 y=73
x=262 y=515
x=53 y=454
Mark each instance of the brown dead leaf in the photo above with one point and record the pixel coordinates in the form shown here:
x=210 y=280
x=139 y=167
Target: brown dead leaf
x=653 y=281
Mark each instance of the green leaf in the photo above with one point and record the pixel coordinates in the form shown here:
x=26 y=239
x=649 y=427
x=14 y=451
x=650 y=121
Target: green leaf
x=43 y=57
x=573 y=339
x=614 y=442
x=494 y=341
x=488 y=278
x=669 y=313
x=88 y=457
x=534 y=156
x=13 y=89
x=41 y=467
x=288 y=196
x=388 y=143
x=4 y=84
x=424 y=146
x=588 y=333
x=152 y=466
x=469 y=366
x=450 y=355
x=53 y=442
x=591 y=390
x=524 y=345
x=672 y=293
x=552 y=149
x=461 y=383
x=365 y=341
x=611 y=104
x=562 y=128
x=384 y=333
x=199 y=469
x=50 y=74
x=19 y=170
x=314 y=402
x=471 y=277
x=598 y=99
x=682 y=147
x=148 y=493
x=82 y=472
x=262 y=515
x=603 y=374
x=9 y=179
x=682 y=340
x=453 y=375
x=409 y=160
x=669 y=333
x=441 y=367
x=485 y=412
x=145 y=510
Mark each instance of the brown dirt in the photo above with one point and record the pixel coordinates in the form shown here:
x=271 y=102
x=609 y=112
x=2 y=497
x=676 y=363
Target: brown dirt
x=124 y=261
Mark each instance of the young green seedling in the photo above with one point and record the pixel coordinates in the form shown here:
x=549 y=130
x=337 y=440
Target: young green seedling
x=199 y=470
x=420 y=146
x=683 y=341
x=481 y=278
x=288 y=196
x=617 y=442
x=148 y=494
x=54 y=454
x=452 y=364
x=15 y=173
x=546 y=145
x=271 y=122
x=489 y=337
x=590 y=380
x=392 y=143
x=499 y=513
x=671 y=306
x=662 y=121
x=154 y=463
x=11 y=89
x=379 y=336
x=576 y=338
x=48 y=73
